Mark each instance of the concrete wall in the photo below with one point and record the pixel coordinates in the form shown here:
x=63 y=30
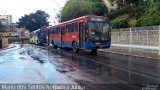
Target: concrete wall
x=4 y=42
x=143 y=36
x=4 y=38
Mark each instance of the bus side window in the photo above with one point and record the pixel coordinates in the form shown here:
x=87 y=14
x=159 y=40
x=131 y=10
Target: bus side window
x=67 y=28
x=63 y=30
x=72 y=28
x=53 y=31
x=75 y=27
x=58 y=30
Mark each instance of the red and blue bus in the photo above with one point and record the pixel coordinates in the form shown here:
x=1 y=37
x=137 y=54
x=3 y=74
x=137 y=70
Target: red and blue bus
x=87 y=32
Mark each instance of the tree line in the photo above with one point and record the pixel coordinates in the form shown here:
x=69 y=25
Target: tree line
x=78 y=8
x=130 y=13
x=33 y=21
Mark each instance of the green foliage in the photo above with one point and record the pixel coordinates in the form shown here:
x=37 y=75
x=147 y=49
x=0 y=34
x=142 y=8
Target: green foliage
x=139 y=13
x=152 y=14
x=120 y=22
x=132 y=11
x=74 y=9
x=148 y=21
x=94 y=0
x=77 y=8
x=122 y=3
x=132 y=22
x=34 y=21
x=99 y=9
x=129 y=13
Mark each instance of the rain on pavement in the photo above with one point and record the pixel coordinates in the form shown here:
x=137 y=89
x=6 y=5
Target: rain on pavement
x=35 y=65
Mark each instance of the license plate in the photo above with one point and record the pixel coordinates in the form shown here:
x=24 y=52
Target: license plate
x=98 y=43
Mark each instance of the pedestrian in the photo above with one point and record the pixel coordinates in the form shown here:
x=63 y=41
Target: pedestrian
x=22 y=44
x=14 y=44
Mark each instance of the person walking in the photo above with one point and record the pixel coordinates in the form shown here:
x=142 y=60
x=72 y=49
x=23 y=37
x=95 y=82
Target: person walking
x=22 y=44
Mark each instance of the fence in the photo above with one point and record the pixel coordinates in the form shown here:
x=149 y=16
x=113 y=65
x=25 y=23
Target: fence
x=146 y=38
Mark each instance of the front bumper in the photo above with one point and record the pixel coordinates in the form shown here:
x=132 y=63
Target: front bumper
x=97 y=45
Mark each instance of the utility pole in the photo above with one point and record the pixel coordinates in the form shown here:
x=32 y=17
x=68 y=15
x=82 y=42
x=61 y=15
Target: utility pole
x=58 y=7
x=54 y=16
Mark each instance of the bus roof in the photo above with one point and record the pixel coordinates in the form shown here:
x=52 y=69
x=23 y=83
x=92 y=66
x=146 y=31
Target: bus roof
x=87 y=16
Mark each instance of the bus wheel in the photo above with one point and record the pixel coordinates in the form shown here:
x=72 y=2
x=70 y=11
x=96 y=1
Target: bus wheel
x=74 y=46
x=94 y=52
x=53 y=44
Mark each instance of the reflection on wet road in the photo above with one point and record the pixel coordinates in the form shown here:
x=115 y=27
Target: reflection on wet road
x=17 y=66
x=32 y=64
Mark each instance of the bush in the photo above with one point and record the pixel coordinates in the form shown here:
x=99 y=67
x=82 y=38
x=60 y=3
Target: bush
x=120 y=12
x=152 y=15
x=120 y=22
x=132 y=22
x=148 y=21
x=99 y=9
x=132 y=11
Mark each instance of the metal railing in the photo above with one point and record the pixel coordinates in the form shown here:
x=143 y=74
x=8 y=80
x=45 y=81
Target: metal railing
x=137 y=37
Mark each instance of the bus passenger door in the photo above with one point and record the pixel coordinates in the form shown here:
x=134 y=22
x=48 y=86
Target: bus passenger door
x=62 y=35
x=81 y=34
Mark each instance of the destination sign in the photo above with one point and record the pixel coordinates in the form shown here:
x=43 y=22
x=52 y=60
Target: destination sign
x=98 y=19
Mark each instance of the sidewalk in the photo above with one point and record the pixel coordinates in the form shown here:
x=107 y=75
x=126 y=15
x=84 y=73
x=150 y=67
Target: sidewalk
x=10 y=46
x=139 y=51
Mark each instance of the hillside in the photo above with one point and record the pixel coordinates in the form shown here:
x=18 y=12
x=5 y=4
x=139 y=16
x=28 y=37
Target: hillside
x=136 y=14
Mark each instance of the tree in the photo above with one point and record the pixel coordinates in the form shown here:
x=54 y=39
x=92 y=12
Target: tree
x=99 y=9
x=78 y=8
x=33 y=21
x=122 y=3
x=94 y=0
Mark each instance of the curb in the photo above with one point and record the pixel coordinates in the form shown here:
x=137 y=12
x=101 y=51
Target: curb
x=141 y=56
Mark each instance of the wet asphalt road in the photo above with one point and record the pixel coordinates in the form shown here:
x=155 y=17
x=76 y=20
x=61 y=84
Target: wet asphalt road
x=36 y=65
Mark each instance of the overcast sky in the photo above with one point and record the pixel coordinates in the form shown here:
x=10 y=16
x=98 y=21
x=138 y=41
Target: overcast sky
x=18 y=8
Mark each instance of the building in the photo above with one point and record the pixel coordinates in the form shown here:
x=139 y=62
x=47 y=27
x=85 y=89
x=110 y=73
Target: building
x=111 y=5
x=11 y=28
x=6 y=19
x=2 y=21
x=22 y=33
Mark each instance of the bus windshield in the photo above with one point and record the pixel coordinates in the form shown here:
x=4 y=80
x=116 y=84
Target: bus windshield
x=98 y=31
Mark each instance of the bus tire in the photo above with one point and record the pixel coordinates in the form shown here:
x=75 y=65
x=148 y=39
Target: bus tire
x=74 y=47
x=53 y=44
x=94 y=52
